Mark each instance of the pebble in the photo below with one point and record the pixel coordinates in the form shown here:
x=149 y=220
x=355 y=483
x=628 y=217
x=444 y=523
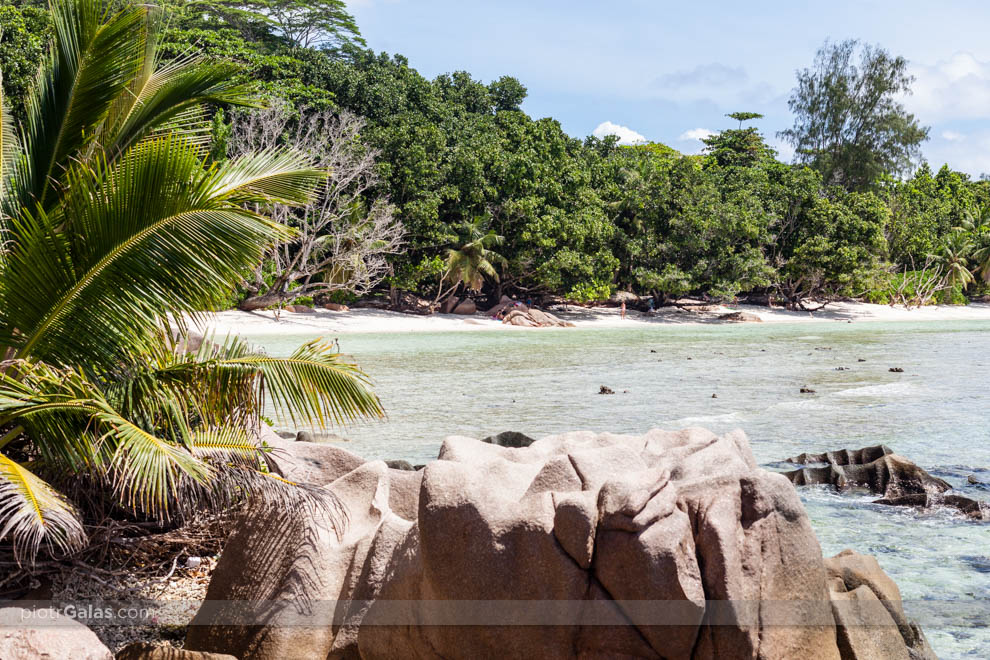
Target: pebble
x=194 y=562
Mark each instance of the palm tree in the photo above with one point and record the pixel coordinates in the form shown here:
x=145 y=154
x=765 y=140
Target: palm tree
x=956 y=251
x=474 y=259
x=114 y=231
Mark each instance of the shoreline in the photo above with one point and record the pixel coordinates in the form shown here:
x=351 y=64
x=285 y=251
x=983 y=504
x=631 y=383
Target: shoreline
x=380 y=321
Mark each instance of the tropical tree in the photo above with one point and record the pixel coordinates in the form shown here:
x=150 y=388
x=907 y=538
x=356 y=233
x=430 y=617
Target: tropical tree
x=469 y=264
x=957 y=248
x=850 y=123
x=115 y=231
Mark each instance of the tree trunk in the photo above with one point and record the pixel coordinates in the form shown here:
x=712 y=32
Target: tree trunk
x=252 y=303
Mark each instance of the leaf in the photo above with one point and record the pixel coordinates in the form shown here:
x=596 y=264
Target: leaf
x=32 y=513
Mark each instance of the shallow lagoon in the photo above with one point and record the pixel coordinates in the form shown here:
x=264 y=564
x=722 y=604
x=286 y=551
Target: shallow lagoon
x=547 y=381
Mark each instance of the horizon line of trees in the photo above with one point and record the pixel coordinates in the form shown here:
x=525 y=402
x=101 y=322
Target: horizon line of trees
x=465 y=192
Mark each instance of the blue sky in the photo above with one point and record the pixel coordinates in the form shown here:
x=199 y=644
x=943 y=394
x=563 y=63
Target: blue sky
x=670 y=71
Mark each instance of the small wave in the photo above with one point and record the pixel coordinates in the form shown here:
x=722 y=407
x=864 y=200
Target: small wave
x=706 y=419
x=880 y=391
x=803 y=404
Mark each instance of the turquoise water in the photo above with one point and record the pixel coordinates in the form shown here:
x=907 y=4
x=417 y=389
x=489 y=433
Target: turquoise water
x=547 y=381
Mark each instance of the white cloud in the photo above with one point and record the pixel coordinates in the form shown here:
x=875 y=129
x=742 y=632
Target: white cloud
x=956 y=88
x=695 y=134
x=953 y=136
x=625 y=134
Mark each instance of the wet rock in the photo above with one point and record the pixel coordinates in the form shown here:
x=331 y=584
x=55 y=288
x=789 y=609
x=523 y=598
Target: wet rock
x=605 y=389
x=870 y=622
x=901 y=482
x=740 y=317
x=973 y=509
x=510 y=439
x=896 y=370
x=807 y=390
x=888 y=474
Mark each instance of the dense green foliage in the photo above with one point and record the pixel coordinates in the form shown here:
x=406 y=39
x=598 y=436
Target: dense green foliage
x=583 y=218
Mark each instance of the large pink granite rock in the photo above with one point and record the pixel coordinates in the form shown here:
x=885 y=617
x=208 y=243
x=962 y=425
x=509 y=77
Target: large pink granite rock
x=582 y=545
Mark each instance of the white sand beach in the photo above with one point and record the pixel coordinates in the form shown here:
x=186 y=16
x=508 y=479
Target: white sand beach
x=374 y=321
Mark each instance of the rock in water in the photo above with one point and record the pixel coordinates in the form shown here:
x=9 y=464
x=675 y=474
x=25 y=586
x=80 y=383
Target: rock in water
x=44 y=633
x=510 y=439
x=901 y=482
x=869 y=619
x=585 y=526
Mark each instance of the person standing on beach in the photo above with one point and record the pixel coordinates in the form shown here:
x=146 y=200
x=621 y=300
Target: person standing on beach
x=622 y=311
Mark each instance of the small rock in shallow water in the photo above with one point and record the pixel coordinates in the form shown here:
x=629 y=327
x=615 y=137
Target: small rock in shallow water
x=807 y=390
x=605 y=389
x=714 y=396
x=896 y=370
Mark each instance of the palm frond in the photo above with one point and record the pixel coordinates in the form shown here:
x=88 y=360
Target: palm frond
x=149 y=235
x=315 y=385
x=33 y=513
x=167 y=97
x=9 y=144
x=93 y=59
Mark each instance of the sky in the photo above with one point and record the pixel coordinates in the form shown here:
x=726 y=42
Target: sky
x=669 y=71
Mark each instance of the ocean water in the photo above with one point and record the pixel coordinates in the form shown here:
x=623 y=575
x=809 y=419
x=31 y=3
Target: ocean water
x=546 y=381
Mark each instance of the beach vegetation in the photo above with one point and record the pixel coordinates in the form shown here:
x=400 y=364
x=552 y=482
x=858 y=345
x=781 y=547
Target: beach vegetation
x=117 y=233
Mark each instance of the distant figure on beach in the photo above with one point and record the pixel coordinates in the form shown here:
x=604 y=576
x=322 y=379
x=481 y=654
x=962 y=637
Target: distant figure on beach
x=649 y=306
x=622 y=310
x=529 y=302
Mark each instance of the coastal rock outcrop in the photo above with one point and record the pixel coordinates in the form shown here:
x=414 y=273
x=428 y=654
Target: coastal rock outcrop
x=466 y=308
x=535 y=318
x=44 y=633
x=740 y=317
x=668 y=544
x=898 y=480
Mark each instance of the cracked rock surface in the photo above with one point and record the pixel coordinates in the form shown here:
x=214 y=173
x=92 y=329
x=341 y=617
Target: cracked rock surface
x=664 y=545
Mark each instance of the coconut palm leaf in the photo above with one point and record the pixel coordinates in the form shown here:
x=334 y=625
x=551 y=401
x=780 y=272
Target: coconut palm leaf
x=232 y=383
x=93 y=58
x=32 y=512
x=149 y=235
x=9 y=144
x=171 y=96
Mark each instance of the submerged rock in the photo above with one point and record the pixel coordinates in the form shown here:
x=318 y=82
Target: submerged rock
x=901 y=482
x=593 y=529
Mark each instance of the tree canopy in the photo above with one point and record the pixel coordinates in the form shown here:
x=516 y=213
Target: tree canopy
x=849 y=123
